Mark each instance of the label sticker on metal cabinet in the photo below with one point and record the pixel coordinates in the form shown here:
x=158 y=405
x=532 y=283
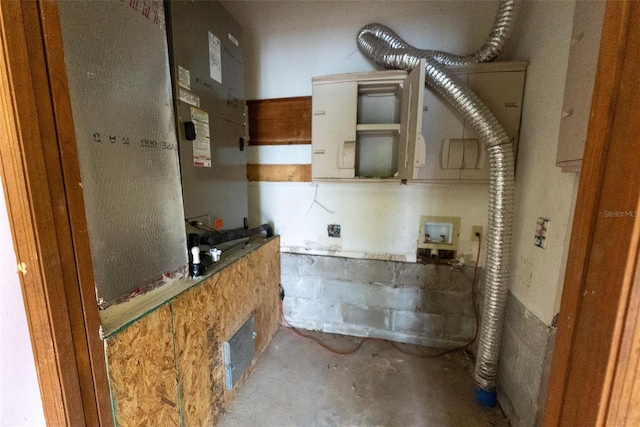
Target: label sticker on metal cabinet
x=215 y=58
x=202 y=143
x=189 y=98
x=184 y=78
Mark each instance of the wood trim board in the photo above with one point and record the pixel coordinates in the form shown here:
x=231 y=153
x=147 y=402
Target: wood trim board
x=37 y=154
x=279 y=173
x=280 y=121
x=81 y=285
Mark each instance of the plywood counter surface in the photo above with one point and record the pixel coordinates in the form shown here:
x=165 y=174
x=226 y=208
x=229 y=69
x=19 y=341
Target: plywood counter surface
x=166 y=367
x=118 y=316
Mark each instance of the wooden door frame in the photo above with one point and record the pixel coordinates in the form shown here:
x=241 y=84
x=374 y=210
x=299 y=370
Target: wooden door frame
x=593 y=360
x=41 y=180
x=595 y=363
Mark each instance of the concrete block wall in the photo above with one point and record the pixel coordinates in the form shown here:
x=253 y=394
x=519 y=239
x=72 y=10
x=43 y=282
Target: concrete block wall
x=413 y=303
x=525 y=358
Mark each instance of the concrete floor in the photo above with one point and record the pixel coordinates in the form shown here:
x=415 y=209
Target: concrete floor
x=297 y=383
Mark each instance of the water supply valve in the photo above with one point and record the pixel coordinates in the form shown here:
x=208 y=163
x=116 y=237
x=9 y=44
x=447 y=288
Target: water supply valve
x=215 y=254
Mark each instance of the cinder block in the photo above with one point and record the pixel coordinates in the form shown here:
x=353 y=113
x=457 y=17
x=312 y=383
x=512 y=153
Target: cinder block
x=440 y=278
x=287 y=307
x=459 y=327
x=297 y=286
x=289 y=263
x=370 y=271
x=481 y=283
x=429 y=302
x=342 y=291
x=309 y=325
x=446 y=302
x=429 y=325
x=413 y=274
x=462 y=279
x=436 y=276
x=351 y=330
x=525 y=325
x=510 y=350
x=519 y=394
x=530 y=355
x=400 y=298
x=546 y=369
x=369 y=317
x=529 y=367
x=507 y=369
x=522 y=360
x=313 y=310
x=325 y=267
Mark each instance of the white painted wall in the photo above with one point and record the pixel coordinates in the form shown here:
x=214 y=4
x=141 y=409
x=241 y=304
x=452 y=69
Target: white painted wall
x=542 y=38
x=288 y=42
x=377 y=220
x=20 y=402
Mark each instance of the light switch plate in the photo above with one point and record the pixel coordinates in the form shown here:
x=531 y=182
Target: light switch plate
x=542 y=227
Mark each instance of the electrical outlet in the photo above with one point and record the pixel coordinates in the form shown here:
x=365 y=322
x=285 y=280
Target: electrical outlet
x=333 y=230
x=476 y=229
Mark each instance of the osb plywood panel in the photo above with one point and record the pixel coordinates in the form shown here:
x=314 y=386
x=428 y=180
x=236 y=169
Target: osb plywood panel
x=207 y=315
x=142 y=372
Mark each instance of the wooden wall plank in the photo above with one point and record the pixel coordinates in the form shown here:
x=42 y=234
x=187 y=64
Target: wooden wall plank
x=142 y=371
x=280 y=121
x=279 y=173
x=207 y=315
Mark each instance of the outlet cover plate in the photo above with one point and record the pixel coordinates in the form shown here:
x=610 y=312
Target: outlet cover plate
x=542 y=228
x=476 y=229
x=333 y=230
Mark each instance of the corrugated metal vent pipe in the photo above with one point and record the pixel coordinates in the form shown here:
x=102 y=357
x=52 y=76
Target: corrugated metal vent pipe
x=388 y=50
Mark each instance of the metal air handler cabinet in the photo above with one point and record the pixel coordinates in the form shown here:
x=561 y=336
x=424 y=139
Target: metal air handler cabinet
x=205 y=50
x=386 y=125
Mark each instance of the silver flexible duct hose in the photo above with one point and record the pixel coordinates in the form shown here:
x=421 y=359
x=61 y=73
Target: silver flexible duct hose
x=387 y=49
